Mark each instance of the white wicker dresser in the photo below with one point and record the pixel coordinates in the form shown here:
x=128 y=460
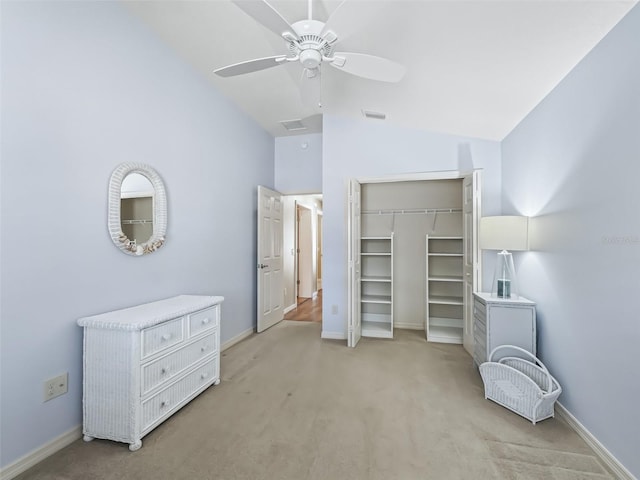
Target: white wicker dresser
x=142 y=364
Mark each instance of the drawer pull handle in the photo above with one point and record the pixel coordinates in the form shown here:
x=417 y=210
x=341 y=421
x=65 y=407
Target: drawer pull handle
x=206 y=320
x=164 y=370
x=203 y=348
x=166 y=336
x=164 y=403
x=204 y=375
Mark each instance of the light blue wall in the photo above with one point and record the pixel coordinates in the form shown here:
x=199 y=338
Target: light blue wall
x=574 y=164
x=298 y=164
x=85 y=86
x=363 y=148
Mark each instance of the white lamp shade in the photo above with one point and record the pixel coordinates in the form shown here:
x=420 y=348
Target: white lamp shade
x=504 y=233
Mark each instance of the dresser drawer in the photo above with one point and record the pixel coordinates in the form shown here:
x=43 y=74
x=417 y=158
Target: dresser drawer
x=165 y=368
x=204 y=320
x=165 y=402
x=161 y=337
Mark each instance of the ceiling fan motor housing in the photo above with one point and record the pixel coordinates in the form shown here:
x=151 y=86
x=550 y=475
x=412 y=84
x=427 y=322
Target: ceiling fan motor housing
x=310 y=47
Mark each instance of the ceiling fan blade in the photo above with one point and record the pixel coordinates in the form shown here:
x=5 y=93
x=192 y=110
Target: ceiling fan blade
x=250 y=66
x=368 y=66
x=311 y=88
x=341 y=22
x=266 y=15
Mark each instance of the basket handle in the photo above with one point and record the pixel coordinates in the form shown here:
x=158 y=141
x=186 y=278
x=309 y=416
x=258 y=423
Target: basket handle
x=530 y=355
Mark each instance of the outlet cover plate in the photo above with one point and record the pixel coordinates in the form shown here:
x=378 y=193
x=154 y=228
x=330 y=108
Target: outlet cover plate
x=54 y=387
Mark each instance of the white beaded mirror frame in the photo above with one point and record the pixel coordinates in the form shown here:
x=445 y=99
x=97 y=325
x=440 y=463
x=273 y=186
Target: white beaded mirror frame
x=159 y=209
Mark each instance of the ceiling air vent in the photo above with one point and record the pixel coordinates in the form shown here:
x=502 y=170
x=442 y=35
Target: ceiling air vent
x=293 y=125
x=374 y=115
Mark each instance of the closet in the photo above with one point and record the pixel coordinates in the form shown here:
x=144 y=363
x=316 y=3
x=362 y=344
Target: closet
x=413 y=257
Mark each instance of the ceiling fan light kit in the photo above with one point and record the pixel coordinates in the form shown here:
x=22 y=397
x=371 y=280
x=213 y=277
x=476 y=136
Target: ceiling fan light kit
x=311 y=43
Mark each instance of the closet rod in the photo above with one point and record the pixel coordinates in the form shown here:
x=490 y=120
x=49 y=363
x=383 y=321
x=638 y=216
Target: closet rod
x=412 y=211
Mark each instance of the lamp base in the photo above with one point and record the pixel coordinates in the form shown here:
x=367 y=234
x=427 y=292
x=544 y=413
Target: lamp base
x=504 y=288
x=504 y=278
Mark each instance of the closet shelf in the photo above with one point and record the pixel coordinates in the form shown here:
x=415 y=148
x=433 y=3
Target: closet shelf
x=377 y=329
x=376 y=279
x=135 y=222
x=412 y=211
x=445 y=278
x=376 y=299
x=445 y=300
x=445 y=334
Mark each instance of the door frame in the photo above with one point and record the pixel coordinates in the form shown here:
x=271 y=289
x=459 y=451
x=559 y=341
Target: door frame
x=353 y=294
x=319 y=254
x=307 y=269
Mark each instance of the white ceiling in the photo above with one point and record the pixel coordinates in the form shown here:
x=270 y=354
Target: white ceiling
x=474 y=68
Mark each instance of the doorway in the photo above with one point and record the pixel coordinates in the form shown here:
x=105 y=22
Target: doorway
x=305 y=262
x=383 y=230
x=303 y=258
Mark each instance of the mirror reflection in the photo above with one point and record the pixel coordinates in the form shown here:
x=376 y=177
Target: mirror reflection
x=136 y=208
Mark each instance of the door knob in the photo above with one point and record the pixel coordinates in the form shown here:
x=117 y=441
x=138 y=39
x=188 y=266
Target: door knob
x=262 y=265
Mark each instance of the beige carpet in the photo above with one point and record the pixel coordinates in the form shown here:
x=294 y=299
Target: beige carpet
x=294 y=407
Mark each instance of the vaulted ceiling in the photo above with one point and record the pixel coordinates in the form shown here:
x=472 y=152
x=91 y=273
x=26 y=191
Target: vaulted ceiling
x=473 y=68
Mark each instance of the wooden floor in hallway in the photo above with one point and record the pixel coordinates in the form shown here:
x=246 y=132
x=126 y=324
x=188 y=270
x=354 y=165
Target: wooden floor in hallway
x=308 y=310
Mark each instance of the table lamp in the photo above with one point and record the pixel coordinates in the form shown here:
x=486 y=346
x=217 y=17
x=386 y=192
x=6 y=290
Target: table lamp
x=504 y=233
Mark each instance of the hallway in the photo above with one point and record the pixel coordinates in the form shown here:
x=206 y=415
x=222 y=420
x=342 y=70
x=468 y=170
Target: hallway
x=308 y=310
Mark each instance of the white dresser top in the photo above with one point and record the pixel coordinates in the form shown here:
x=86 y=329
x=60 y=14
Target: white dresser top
x=149 y=314
x=488 y=298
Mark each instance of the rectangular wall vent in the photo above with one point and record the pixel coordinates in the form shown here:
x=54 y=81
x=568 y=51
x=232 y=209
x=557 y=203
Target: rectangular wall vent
x=292 y=125
x=374 y=115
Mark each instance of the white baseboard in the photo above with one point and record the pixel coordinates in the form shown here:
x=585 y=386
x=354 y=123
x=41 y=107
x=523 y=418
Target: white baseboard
x=333 y=335
x=605 y=455
x=36 y=456
x=238 y=338
x=289 y=308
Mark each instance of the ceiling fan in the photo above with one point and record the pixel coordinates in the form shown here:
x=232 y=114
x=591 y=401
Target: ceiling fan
x=311 y=43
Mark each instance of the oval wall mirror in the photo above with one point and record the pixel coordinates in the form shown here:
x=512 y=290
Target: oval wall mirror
x=137 y=209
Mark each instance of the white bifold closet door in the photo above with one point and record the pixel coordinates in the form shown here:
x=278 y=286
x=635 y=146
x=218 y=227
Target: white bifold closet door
x=354 y=326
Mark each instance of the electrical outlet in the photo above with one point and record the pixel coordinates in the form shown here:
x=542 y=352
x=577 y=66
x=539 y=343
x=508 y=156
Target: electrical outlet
x=54 y=387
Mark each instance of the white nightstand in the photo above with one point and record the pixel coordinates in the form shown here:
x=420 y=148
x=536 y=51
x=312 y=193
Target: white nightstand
x=502 y=321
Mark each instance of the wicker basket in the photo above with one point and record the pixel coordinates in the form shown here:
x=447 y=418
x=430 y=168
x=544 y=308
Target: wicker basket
x=524 y=387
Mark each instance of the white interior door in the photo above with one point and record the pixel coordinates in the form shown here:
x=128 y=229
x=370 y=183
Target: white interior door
x=471 y=188
x=354 y=313
x=270 y=275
